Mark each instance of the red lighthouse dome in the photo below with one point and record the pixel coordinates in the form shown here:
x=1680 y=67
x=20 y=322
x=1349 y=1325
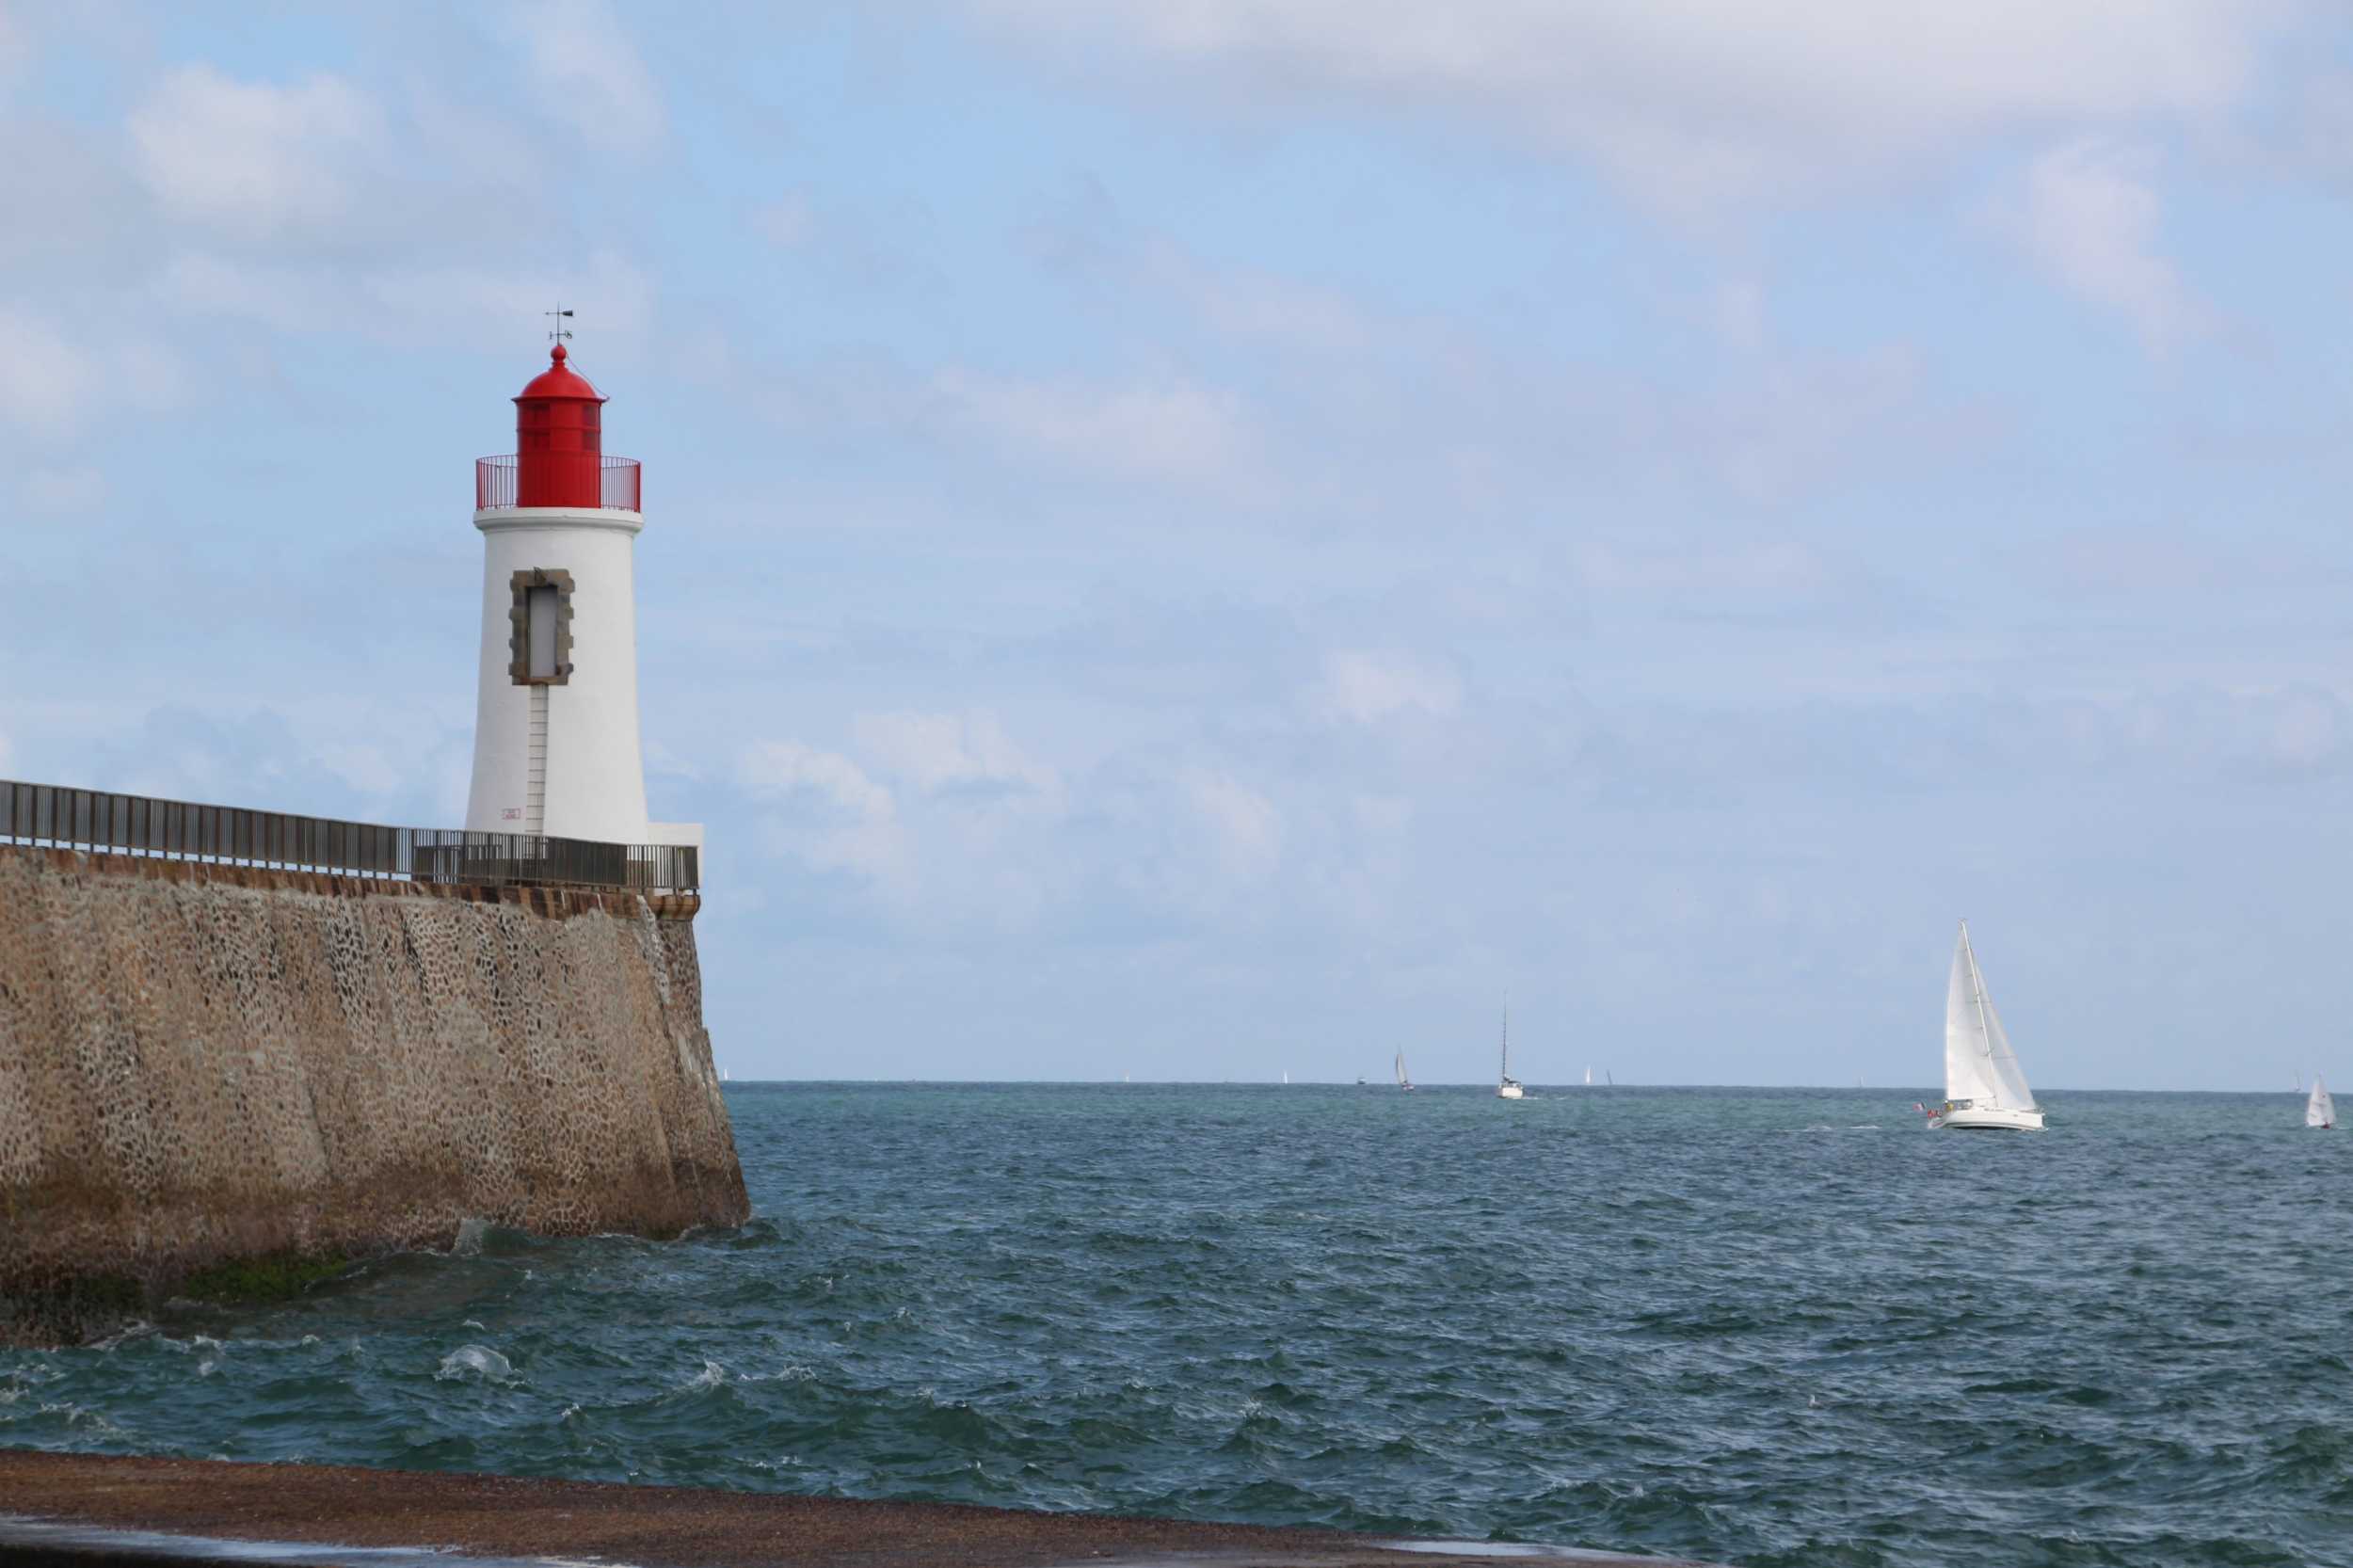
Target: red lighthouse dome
x=559 y=438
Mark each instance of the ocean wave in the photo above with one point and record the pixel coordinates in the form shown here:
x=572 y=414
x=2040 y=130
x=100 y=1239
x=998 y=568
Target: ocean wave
x=477 y=1362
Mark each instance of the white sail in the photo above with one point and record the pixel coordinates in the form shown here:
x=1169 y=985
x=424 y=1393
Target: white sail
x=2320 y=1111
x=1979 y=1065
x=1402 y=1081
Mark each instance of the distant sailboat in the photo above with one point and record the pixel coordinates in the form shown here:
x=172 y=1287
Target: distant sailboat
x=723 y=1076
x=2320 y=1111
x=1589 y=1077
x=1508 y=1087
x=1984 y=1086
x=1287 y=1074
x=1402 y=1081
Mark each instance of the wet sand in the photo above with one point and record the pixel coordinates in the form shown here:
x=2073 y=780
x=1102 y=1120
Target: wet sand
x=205 y=1506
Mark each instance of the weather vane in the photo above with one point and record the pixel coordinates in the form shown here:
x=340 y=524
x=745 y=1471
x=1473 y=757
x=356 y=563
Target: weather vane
x=559 y=333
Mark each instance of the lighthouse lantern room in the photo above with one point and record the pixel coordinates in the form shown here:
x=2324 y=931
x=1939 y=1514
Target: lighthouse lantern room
x=556 y=749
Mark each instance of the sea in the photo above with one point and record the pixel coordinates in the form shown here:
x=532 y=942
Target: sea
x=1755 y=1327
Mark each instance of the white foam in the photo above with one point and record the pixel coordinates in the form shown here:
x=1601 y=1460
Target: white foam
x=479 y=1360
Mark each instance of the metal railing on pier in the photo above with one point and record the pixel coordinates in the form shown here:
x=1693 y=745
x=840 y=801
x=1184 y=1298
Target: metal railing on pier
x=49 y=815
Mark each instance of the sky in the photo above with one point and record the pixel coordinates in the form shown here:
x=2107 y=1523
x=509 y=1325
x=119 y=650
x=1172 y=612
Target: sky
x=1229 y=537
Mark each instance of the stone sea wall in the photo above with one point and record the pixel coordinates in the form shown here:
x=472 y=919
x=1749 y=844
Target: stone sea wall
x=203 y=1066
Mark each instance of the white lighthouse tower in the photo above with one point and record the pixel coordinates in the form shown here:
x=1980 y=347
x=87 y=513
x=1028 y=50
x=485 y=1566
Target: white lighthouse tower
x=555 y=746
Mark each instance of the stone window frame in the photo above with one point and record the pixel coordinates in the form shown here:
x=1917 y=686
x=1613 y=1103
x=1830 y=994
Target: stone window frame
x=519 y=627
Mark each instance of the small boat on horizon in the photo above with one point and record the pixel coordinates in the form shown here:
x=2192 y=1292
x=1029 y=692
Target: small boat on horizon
x=2320 y=1111
x=1985 y=1089
x=1402 y=1081
x=1508 y=1087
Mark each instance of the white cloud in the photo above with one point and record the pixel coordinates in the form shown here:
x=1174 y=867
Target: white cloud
x=1694 y=104
x=252 y=159
x=47 y=381
x=587 y=75
x=1245 y=830
x=2306 y=730
x=52 y=382
x=943 y=751
x=782 y=767
x=2088 y=215
x=1169 y=429
x=831 y=814
x=1365 y=687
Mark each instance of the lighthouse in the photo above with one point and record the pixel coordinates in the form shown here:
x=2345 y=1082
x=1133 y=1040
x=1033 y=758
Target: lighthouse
x=555 y=746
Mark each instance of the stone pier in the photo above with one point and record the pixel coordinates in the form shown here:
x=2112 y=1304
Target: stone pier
x=208 y=1067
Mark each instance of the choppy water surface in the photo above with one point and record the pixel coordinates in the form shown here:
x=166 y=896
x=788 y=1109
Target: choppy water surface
x=1763 y=1327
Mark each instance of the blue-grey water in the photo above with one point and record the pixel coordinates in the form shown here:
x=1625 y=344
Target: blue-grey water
x=1763 y=1327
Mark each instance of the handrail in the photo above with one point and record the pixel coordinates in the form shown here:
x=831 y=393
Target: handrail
x=620 y=483
x=50 y=815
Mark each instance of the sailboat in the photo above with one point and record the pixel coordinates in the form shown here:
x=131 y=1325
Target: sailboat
x=1589 y=1077
x=1508 y=1087
x=2320 y=1111
x=1984 y=1086
x=1402 y=1081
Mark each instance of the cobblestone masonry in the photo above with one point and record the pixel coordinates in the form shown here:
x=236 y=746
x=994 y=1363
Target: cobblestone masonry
x=201 y=1064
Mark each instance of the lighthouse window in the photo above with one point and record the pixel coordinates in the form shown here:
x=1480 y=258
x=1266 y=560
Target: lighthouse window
x=540 y=636
x=542 y=619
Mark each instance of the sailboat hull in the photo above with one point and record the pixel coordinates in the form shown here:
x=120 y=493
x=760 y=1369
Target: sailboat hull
x=1980 y=1118
x=1508 y=1092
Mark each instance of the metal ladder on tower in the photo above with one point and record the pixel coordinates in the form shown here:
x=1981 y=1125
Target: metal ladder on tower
x=535 y=776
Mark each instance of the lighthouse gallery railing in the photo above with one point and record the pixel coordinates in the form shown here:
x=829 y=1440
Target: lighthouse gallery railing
x=47 y=814
x=620 y=483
